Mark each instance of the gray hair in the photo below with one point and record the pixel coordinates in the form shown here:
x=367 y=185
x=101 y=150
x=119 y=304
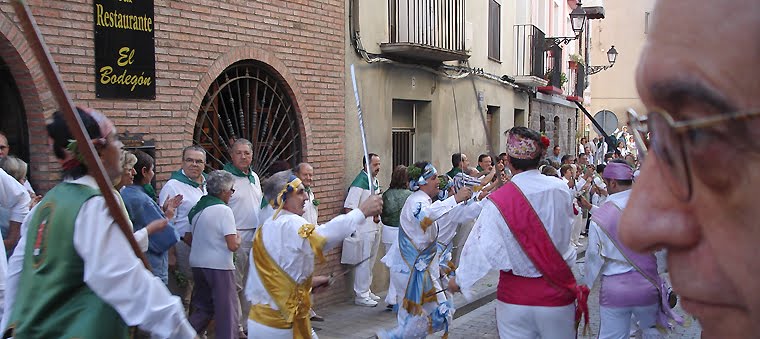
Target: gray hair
x=15 y=167
x=219 y=181
x=301 y=166
x=193 y=148
x=242 y=141
x=274 y=184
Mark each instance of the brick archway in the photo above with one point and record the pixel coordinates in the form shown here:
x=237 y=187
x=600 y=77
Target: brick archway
x=277 y=67
x=36 y=97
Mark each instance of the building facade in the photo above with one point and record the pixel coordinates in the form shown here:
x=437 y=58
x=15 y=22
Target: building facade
x=614 y=89
x=269 y=71
x=452 y=76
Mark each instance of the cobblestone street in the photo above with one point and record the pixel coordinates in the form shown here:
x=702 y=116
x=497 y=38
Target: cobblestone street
x=481 y=323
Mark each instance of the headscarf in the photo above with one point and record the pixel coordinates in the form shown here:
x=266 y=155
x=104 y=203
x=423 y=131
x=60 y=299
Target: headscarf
x=520 y=147
x=428 y=172
x=291 y=186
x=618 y=171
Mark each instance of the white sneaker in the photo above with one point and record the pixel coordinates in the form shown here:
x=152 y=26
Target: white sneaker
x=373 y=296
x=365 y=302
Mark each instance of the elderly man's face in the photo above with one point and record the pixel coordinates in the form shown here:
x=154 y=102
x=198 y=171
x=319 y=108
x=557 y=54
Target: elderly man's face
x=241 y=157
x=692 y=68
x=295 y=200
x=193 y=163
x=306 y=174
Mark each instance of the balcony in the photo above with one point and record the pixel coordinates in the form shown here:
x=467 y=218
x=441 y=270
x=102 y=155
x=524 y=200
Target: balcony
x=426 y=30
x=530 y=55
x=553 y=71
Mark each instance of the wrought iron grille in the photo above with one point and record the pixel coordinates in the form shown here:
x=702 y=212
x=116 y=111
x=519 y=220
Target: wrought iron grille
x=402 y=144
x=249 y=101
x=529 y=51
x=437 y=23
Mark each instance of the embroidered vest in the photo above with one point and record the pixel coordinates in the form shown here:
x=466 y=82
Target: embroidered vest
x=52 y=300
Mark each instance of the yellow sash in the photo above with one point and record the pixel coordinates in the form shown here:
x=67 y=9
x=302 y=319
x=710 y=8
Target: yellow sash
x=292 y=299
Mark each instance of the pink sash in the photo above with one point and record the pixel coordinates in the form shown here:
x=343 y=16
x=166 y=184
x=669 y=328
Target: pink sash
x=531 y=234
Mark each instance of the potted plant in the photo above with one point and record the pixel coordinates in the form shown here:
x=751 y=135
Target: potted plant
x=562 y=77
x=575 y=59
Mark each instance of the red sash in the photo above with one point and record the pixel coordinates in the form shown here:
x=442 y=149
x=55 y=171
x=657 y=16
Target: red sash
x=531 y=234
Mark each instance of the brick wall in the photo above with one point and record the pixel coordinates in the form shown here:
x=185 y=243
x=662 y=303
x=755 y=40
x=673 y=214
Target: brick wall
x=195 y=40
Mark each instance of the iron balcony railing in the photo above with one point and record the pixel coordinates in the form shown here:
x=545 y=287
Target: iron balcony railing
x=553 y=71
x=577 y=80
x=436 y=23
x=529 y=49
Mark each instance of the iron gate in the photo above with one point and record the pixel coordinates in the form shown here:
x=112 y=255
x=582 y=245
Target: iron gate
x=248 y=101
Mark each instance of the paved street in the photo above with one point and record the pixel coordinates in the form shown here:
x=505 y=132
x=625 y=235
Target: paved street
x=477 y=320
x=481 y=323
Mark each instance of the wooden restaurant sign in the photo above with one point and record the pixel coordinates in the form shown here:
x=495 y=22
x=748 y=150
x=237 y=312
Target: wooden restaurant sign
x=125 y=52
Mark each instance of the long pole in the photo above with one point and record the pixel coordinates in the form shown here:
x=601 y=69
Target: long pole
x=62 y=98
x=361 y=129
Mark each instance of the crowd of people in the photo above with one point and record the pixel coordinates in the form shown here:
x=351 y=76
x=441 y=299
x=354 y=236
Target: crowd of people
x=242 y=251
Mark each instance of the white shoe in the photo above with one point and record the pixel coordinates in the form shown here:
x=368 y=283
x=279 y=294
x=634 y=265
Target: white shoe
x=365 y=302
x=373 y=296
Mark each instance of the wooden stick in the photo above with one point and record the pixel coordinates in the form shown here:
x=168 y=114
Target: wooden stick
x=62 y=98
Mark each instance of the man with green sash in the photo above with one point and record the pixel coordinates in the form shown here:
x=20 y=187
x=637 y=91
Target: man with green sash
x=285 y=250
x=74 y=274
x=189 y=182
x=245 y=205
x=368 y=231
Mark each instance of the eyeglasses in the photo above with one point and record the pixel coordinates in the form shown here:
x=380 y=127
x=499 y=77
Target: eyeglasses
x=668 y=139
x=195 y=161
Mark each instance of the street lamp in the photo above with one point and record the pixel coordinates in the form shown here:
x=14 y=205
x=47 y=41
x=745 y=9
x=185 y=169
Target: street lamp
x=611 y=58
x=612 y=55
x=578 y=19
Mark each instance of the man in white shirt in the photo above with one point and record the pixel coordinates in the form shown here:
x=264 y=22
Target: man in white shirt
x=88 y=283
x=245 y=205
x=630 y=283
x=368 y=231
x=15 y=199
x=5 y=150
x=285 y=250
x=305 y=172
x=537 y=291
x=189 y=182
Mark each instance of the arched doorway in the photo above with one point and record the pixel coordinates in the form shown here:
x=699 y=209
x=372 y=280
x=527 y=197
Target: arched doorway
x=13 y=122
x=249 y=100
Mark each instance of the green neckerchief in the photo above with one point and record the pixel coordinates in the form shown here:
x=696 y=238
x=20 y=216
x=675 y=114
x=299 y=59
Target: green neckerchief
x=238 y=173
x=362 y=182
x=264 y=202
x=454 y=171
x=205 y=201
x=150 y=191
x=480 y=169
x=181 y=177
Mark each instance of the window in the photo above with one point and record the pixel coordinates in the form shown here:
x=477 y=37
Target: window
x=494 y=30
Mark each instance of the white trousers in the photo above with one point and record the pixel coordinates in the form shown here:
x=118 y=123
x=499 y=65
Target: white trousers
x=363 y=271
x=616 y=321
x=459 y=239
x=528 y=322
x=259 y=331
x=578 y=224
x=390 y=235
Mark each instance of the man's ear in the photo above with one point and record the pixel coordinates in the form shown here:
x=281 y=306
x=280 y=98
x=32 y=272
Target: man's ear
x=144 y=171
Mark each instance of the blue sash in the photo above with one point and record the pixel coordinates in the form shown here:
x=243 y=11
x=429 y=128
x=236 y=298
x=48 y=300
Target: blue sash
x=446 y=263
x=420 y=288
